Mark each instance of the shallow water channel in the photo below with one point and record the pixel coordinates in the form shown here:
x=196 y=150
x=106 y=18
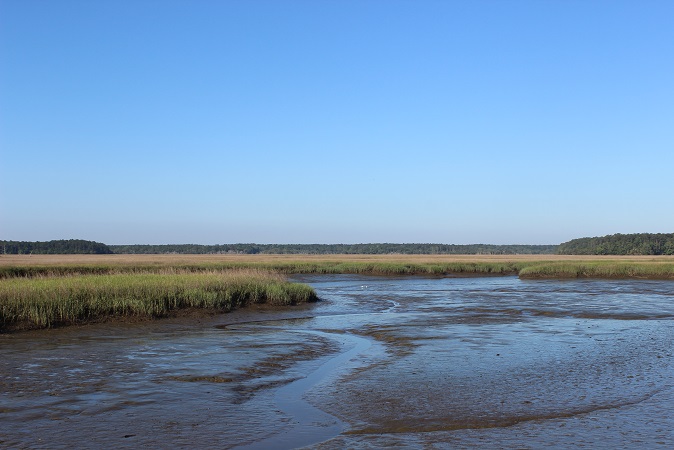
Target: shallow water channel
x=410 y=362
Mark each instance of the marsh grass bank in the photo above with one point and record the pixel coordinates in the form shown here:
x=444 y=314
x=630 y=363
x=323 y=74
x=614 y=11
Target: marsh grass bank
x=289 y=267
x=529 y=266
x=600 y=269
x=53 y=290
x=43 y=302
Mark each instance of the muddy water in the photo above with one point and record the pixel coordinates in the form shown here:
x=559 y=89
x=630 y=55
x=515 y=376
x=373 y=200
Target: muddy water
x=408 y=362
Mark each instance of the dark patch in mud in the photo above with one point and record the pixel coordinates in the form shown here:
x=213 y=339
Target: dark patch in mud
x=395 y=343
x=202 y=379
x=450 y=424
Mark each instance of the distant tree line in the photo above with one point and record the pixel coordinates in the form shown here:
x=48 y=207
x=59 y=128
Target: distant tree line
x=335 y=249
x=621 y=244
x=60 y=247
x=185 y=249
x=617 y=244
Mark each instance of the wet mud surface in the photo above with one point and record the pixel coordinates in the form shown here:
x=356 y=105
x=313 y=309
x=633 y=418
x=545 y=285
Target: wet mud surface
x=379 y=362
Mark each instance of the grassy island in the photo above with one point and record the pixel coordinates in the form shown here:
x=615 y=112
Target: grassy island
x=48 y=301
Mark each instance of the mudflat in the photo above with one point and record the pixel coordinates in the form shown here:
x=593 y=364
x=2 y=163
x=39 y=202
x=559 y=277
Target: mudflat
x=409 y=361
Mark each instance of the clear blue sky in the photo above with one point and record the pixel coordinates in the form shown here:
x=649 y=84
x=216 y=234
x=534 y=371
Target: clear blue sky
x=335 y=121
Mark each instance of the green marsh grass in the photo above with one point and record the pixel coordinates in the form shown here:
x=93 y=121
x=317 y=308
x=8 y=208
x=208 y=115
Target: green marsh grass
x=599 y=269
x=529 y=266
x=284 y=267
x=45 y=302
